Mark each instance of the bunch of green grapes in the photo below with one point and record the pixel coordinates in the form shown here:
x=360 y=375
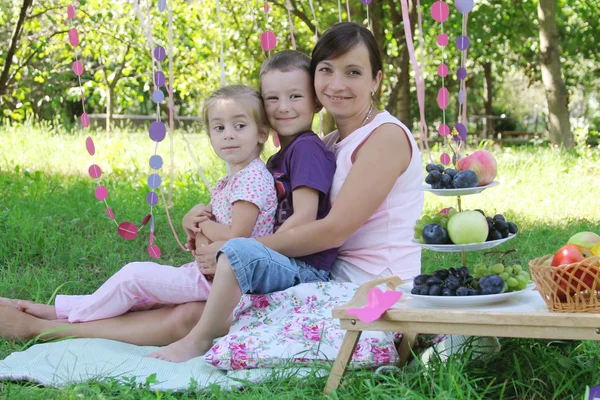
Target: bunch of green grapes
x=515 y=276
x=439 y=218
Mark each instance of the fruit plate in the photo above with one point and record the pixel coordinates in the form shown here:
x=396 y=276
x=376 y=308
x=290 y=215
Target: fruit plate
x=462 y=301
x=457 y=192
x=455 y=248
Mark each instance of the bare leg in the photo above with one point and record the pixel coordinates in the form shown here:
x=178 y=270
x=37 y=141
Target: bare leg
x=157 y=327
x=42 y=311
x=224 y=296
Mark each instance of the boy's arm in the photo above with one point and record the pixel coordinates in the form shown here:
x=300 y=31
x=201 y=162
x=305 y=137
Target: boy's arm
x=306 y=205
x=243 y=220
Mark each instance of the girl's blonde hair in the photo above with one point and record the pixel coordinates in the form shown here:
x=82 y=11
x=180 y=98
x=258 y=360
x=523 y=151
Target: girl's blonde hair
x=243 y=93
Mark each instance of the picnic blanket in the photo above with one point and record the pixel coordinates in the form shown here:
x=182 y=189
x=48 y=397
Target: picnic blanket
x=292 y=328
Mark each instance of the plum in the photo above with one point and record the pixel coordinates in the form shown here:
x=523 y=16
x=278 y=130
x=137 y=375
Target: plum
x=435 y=234
x=465 y=179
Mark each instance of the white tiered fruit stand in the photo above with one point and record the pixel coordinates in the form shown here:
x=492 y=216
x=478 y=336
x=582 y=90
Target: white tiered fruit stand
x=461 y=248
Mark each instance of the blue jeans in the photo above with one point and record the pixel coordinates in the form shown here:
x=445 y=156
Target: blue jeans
x=260 y=270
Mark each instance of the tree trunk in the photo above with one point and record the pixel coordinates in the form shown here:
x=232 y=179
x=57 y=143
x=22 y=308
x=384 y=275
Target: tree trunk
x=109 y=106
x=488 y=128
x=556 y=92
x=14 y=40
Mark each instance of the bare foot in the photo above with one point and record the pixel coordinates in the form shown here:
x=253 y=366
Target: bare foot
x=182 y=350
x=42 y=311
x=8 y=302
x=16 y=324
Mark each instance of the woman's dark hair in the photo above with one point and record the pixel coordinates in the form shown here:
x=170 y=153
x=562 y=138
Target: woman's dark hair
x=340 y=39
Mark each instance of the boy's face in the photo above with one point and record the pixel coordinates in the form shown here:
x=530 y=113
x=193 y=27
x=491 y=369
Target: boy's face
x=289 y=102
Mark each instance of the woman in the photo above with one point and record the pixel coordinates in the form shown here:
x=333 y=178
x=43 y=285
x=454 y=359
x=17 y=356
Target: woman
x=375 y=202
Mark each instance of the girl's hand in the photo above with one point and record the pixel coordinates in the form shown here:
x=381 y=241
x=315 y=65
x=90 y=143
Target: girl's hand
x=194 y=217
x=206 y=257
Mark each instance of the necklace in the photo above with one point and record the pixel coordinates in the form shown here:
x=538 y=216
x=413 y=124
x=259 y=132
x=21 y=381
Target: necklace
x=368 y=115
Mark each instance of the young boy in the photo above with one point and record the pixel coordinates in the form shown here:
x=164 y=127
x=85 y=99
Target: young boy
x=303 y=170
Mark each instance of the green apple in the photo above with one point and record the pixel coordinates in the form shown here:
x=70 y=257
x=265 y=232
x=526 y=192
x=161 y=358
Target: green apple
x=585 y=239
x=468 y=227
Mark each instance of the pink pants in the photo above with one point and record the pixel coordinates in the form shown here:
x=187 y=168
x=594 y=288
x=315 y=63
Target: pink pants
x=137 y=286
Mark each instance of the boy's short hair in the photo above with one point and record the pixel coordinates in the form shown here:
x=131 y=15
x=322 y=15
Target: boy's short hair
x=286 y=61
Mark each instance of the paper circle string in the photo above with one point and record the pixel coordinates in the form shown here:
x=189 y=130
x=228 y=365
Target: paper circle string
x=268 y=40
x=464 y=6
x=461 y=96
x=443 y=98
x=73 y=37
x=156 y=162
x=442 y=39
x=159 y=78
x=445 y=159
x=463 y=42
x=85 y=120
x=440 y=11
x=159 y=53
x=127 y=230
x=157 y=131
x=110 y=213
x=366 y=2
x=162 y=5
x=154 y=181
x=101 y=193
x=95 y=171
x=89 y=145
x=78 y=68
x=442 y=70
x=70 y=12
x=444 y=130
x=461 y=73
x=158 y=96
x=152 y=199
x=154 y=251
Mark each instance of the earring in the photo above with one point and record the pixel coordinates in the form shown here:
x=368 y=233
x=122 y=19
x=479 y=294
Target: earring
x=373 y=92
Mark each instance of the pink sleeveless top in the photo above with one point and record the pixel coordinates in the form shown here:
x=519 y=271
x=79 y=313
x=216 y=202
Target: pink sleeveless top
x=384 y=241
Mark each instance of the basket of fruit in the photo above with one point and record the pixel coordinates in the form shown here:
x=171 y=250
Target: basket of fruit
x=569 y=280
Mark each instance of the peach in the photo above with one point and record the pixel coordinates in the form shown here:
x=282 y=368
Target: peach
x=484 y=165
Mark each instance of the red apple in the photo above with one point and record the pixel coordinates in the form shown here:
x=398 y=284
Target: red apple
x=567 y=254
x=570 y=254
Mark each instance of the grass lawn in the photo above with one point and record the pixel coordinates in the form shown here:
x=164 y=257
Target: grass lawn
x=55 y=236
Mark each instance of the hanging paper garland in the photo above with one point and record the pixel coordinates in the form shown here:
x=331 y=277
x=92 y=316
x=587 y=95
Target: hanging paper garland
x=462 y=43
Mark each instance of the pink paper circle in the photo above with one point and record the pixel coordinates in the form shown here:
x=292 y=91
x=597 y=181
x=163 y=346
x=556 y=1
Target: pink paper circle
x=101 y=193
x=85 y=120
x=442 y=39
x=268 y=40
x=266 y=6
x=276 y=142
x=154 y=251
x=110 y=213
x=444 y=130
x=127 y=230
x=440 y=11
x=70 y=12
x=443 y=98
x=95 y=171
x=445 y=159
x=73 y=37
x=442 y=70
x=89 y=145
x=77 y=68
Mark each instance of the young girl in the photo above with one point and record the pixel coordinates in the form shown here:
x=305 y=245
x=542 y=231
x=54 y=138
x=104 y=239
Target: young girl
x=242 y=204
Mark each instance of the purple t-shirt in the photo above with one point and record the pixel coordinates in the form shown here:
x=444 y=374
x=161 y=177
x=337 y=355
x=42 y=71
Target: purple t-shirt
x=304 y=162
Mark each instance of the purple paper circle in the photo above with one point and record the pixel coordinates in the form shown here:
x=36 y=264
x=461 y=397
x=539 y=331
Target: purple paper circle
x=156 y=162
x=440 y=11
x=95 y=171
x=463 y=42
x=158 y=96
x=445 y=159
x=366 y=2
x=162 y=5
x=154 y=181
x=159 y=78
x=464 y=6
x=454 y=160
x=461 y=96
x=461 y=73
x=157 y=131
x=159 y=53
x=442 y=39
x=442 y=70
x=152 y=198
x=101 y=193
x=462 y=131
x=444 y=130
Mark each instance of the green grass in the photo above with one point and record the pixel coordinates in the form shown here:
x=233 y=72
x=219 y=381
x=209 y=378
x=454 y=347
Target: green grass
x=54 y=235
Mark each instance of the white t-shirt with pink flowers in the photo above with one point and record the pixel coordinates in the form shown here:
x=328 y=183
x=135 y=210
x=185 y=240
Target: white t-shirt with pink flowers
x=253 y=184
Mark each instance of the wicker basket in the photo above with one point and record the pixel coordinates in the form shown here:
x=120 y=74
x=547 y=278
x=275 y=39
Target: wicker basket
x=570 y=287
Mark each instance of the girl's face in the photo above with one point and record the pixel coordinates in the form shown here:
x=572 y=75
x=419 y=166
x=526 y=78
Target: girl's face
x=344 y=84
x=234 y=134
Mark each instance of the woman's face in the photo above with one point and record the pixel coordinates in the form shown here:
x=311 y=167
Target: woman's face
x=344 y=84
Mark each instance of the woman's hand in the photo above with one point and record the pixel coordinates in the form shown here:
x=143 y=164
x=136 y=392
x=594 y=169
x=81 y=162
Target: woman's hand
x=206 y=257
x=195 y=216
